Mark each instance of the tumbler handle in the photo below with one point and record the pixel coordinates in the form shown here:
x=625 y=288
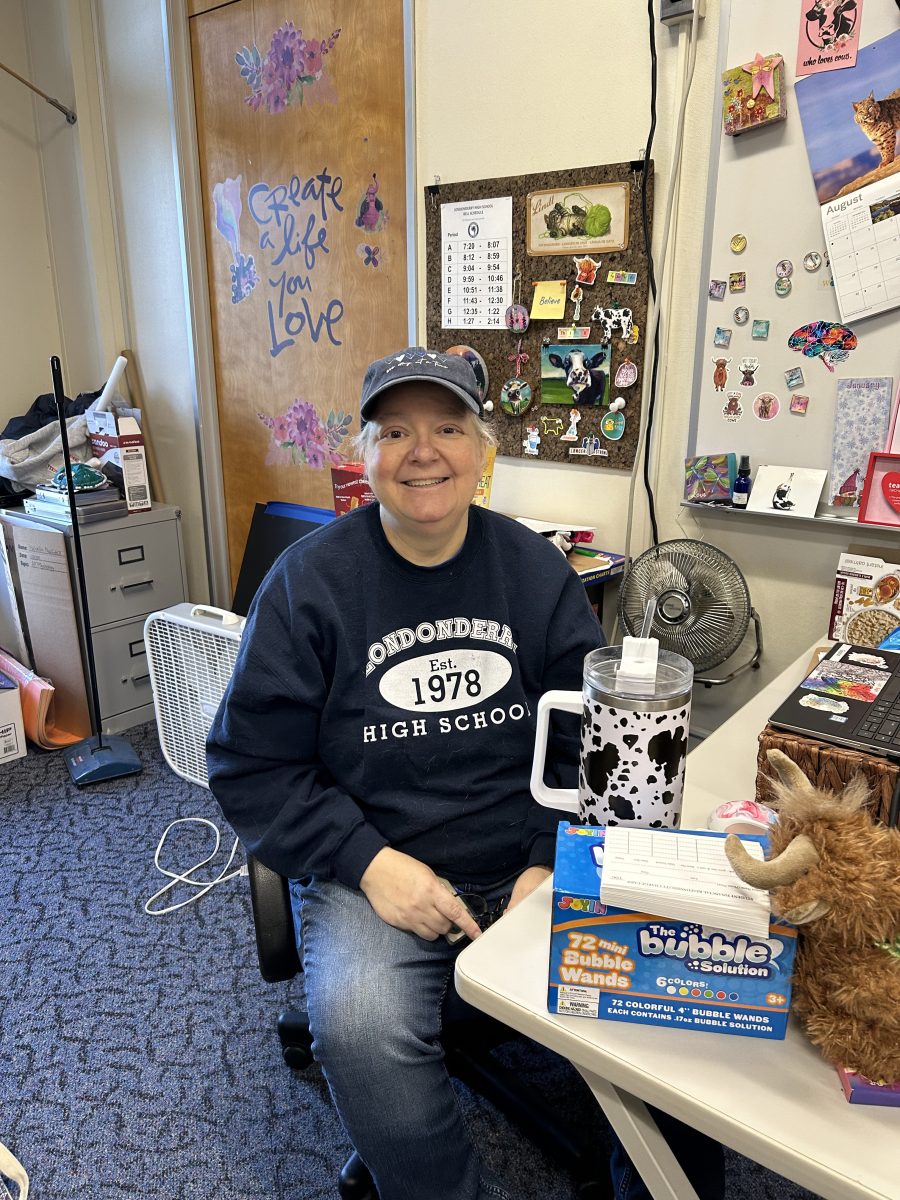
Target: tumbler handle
x=562 y=798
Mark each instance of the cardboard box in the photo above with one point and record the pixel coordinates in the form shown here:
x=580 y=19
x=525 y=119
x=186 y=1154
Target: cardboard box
x=865 y=607
x=350 y=487
x=646 y=970
x=117 y=441
x=12 y=729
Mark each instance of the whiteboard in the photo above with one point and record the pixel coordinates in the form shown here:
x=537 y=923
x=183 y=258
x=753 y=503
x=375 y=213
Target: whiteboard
x=760 y=185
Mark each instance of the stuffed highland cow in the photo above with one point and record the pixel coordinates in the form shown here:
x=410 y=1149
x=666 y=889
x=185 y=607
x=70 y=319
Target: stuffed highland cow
x=836 y=873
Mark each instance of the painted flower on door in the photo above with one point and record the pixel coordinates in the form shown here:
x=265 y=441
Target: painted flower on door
x=292 y=72
x=301 y=436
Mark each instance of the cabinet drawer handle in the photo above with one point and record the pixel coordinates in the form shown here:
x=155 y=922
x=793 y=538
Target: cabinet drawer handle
x=136 y=678
x=137 y=583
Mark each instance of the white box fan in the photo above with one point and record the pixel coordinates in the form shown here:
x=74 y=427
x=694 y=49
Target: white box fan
x=191 y=652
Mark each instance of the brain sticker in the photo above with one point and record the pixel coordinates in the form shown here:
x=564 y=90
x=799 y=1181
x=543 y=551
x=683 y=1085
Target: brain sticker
x=825 y=340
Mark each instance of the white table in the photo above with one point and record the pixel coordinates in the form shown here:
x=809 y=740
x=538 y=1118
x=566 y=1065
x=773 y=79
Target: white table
x=776 y=1102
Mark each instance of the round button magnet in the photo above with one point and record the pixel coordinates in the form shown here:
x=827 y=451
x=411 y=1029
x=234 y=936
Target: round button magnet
x=812 y=261
x=739 y=243
x=784 y=269
x=782 y=287
x=741 y=315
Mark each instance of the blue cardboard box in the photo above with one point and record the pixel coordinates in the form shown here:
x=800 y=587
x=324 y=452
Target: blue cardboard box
x=641 y=969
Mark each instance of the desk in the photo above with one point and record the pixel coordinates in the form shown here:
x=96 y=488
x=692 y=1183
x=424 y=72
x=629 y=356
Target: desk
x=776 y=1102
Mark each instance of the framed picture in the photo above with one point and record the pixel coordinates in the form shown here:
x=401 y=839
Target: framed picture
x=789 y=491
x=578 y=220
x=880 y=504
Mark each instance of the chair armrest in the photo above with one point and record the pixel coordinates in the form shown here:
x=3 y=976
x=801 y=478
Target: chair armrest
x=276 y=944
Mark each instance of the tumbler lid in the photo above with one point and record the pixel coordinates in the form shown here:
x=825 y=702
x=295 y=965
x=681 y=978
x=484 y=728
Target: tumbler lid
x=616 y=674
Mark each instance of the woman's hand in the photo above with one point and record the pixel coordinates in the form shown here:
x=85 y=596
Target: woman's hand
x=408 y=895
x=530 y=878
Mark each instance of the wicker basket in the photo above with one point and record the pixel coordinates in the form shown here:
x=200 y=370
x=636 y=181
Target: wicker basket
x=828 y=767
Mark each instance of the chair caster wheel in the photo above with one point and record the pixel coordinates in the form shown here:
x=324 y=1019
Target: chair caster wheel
x=298 y=1058
x=355 y=1182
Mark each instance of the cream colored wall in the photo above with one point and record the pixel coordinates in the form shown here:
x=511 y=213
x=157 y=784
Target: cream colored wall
x=29 y=327
x=142 y=174
x=507 y=88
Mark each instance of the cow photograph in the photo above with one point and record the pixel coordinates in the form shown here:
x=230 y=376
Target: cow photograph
x=575 y=377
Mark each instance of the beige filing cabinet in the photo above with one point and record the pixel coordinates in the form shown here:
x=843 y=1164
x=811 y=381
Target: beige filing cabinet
x=133 y=566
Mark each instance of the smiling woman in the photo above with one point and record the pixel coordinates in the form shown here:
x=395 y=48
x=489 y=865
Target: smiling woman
x=376 y=741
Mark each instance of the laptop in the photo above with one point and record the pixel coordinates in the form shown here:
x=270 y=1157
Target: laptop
x=852 y=697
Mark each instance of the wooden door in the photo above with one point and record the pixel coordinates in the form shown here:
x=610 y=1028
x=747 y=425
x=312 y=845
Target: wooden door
x=301 y=133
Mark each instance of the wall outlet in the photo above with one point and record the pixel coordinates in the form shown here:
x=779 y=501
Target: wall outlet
x=673 y=12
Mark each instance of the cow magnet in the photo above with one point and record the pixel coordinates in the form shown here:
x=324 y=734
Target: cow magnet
x=766 y=406
x=515 y=397
x=733 y=410
x=532 y=441
x=571 y=434
x=552 y=425
x=748 y=366
x=586 y=270
x=720 y=374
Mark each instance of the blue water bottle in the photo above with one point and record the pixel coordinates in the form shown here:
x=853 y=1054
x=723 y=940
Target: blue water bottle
x=740 y=493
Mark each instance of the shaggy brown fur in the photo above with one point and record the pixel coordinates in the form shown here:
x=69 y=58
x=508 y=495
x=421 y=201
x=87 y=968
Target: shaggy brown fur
x=846 y=987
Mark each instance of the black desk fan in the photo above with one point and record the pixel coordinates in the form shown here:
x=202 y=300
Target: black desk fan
x=99 y=756
x=699 y=603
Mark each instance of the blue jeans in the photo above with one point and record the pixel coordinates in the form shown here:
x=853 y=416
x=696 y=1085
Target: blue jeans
x=375 y=996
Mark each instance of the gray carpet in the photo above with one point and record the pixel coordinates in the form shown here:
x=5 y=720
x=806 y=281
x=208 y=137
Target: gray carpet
x=138 y=1055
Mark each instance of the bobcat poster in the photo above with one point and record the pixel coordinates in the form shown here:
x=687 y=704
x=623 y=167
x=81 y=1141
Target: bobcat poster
x=851 y=119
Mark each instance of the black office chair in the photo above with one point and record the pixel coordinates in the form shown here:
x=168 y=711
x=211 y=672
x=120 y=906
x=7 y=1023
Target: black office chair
x=468 y=1039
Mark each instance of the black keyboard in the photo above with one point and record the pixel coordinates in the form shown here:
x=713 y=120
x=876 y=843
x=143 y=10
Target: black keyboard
x=882 y=723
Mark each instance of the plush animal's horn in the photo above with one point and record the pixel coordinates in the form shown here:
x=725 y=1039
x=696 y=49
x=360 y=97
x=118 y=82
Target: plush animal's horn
x=790 y=774
x=795 y=859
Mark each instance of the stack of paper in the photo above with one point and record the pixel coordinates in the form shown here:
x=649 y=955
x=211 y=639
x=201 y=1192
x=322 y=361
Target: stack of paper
x=684 y=876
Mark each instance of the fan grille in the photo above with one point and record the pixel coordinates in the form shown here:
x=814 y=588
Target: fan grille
x=190 y=669
x=702 y=605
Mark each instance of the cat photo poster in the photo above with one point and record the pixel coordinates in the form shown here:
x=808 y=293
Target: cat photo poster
x=851 y=120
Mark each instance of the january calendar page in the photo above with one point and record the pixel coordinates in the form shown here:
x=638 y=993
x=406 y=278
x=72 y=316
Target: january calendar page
x=476 y=260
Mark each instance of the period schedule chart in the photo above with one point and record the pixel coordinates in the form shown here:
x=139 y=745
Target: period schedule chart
x=476 y=263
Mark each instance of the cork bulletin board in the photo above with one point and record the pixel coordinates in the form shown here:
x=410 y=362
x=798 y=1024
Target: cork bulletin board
x=497 y=346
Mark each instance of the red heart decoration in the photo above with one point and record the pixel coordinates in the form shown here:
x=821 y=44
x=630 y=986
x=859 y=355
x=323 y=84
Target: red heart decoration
x=890 y=487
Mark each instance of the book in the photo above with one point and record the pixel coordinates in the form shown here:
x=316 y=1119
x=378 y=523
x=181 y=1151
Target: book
x=53 y=495
x=860 y=1090
x=862 y=416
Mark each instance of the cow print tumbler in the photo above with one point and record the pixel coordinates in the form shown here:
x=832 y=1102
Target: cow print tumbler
x=633 y=745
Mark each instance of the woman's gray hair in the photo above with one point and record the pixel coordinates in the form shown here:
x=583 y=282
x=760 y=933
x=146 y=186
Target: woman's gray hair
x=361 y=444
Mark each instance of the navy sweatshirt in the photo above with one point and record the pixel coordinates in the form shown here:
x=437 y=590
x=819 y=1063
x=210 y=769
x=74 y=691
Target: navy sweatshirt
x=379 y=703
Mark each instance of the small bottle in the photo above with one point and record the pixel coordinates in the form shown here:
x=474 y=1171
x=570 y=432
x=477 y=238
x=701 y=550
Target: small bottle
x=740 y=493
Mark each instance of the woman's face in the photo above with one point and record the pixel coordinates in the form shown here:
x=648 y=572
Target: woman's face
x=426 y=459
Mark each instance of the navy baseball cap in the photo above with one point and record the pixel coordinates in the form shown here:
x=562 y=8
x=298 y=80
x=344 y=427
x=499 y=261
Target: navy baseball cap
x=416 y=365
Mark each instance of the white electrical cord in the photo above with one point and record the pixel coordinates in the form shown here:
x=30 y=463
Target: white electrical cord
x=176 y=877
x=662 y=274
